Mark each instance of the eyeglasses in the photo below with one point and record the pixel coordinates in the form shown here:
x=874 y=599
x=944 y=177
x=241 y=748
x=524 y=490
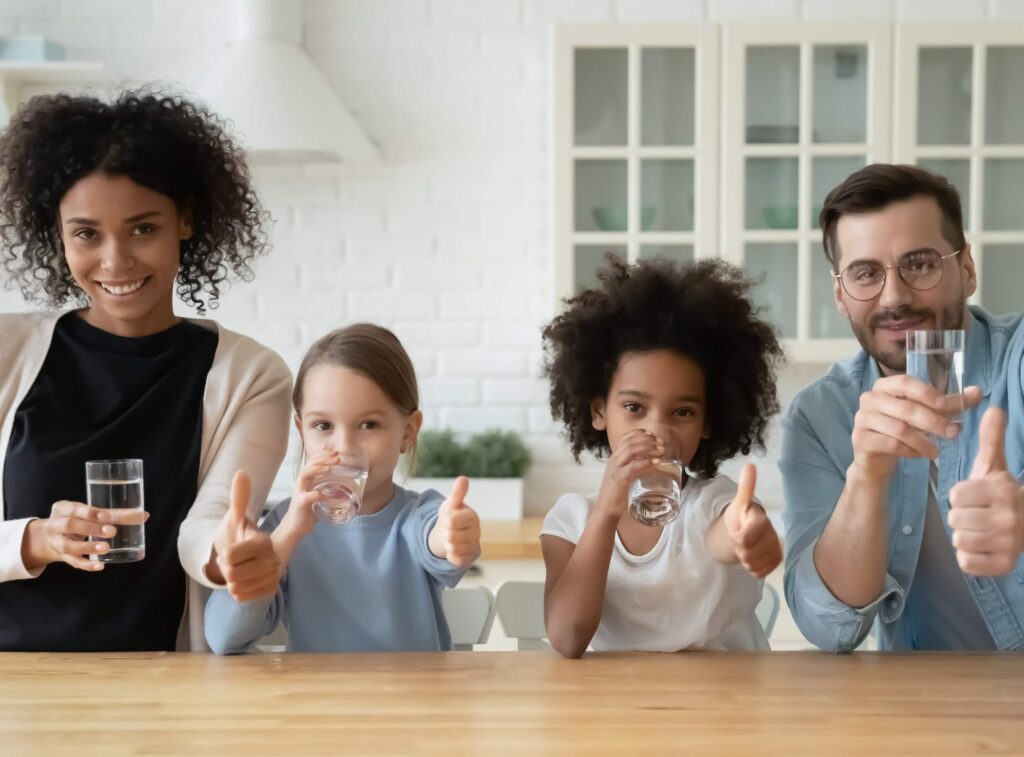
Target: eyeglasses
x=921 y=270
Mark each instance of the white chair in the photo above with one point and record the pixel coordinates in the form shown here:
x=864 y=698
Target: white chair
x=470 y=613
x=767 y=610
x=521 y=609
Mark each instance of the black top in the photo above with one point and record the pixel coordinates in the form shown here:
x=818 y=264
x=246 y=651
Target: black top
x=100 y=396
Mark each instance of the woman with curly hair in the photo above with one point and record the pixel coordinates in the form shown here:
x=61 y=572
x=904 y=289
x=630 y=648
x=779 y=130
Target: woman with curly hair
x=658 y=346
x=112 y=207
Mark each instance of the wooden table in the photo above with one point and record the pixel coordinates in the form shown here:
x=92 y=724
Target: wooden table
x=512 y=703
x=511 y=540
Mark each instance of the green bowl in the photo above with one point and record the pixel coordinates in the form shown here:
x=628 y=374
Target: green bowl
x=609 y=218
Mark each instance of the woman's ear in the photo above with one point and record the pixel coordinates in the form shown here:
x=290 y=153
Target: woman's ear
x=412 y=429
x=597 y=414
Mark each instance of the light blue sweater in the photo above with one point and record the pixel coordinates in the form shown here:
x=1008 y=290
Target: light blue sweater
x=369 y=585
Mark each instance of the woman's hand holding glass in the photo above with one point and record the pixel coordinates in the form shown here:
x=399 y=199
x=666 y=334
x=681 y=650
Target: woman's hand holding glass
x=63 y=537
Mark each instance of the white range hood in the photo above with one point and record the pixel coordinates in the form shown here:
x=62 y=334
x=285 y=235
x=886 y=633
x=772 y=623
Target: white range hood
x=283 y=109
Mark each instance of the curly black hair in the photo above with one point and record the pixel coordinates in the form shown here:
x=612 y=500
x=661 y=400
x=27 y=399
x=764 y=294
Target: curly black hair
x=701 y=310
x=166 y=143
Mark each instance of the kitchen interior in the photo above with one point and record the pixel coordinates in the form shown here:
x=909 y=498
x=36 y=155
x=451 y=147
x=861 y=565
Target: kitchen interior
x=454 y=169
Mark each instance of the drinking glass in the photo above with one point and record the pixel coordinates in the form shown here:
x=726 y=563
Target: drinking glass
x=937 y=358
x=655 y=499
x=116 y=486
x=342 y=486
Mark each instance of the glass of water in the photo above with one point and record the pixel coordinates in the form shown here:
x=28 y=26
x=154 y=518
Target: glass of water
x=655 y=499
x=937 y=358
x=116 y=486
x=342 y=487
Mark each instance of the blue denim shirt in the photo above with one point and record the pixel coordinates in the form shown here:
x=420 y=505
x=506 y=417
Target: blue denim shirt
x=816 y=452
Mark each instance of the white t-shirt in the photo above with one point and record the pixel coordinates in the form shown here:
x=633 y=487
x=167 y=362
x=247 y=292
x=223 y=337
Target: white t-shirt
x=677 y=596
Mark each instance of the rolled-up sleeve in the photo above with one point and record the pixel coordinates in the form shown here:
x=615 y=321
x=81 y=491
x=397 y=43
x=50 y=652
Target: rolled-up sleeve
x=812 y=485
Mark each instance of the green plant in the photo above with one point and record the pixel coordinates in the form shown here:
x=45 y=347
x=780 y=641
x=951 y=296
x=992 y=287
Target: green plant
x=492 y=454
x=438 y=455
x=496 y=454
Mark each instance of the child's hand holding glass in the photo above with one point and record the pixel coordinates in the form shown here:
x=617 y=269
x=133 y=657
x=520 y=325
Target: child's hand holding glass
x=632 y=458
x=301 y=517
x=456 y=535
x=756 y=545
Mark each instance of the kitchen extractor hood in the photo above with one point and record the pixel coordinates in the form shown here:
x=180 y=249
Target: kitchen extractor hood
x=282 y=107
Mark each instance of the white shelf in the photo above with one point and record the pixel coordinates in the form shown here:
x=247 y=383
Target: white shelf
x=48 y=71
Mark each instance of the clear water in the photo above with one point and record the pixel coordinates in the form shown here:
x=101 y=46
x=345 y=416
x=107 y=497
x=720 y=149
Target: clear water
x=124 y=502
x=655 y=499
x=343 y=488
x=943 y=369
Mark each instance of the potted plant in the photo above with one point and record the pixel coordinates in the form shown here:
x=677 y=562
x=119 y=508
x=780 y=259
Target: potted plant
x=495 y=462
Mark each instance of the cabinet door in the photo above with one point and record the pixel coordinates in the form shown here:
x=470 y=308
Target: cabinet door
x=960 y=113
x=803 y=106
x=635 y=141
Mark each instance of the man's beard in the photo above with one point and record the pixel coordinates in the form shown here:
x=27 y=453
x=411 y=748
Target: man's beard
x=896 y=360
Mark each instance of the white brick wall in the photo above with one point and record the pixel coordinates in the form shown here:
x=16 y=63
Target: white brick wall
x=447 y=241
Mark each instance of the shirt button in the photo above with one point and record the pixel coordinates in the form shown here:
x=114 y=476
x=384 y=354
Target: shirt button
x=907 y=530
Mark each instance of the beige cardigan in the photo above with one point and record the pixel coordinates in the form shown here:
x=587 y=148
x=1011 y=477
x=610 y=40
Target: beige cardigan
x=246 y=407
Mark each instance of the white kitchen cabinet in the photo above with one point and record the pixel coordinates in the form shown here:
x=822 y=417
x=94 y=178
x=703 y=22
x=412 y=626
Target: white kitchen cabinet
x=635 y=146
x=803 y=106
x=960 y=112
x=686 y=141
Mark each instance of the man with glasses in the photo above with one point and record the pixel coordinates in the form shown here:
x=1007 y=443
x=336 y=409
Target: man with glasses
x=895 y=516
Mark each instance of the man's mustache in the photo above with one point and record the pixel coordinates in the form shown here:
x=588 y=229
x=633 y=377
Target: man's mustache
x=894 y=316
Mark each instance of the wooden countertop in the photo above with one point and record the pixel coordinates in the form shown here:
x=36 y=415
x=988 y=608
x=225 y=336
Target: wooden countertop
x=512 y=703
x=511 y=539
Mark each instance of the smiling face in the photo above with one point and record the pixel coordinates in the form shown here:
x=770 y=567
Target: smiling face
x=342 y=409
x=655 y=387
x=884 y=236
x=122 y=243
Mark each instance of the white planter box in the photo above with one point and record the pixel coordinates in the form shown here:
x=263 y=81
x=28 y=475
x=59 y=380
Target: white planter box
x=492 y=498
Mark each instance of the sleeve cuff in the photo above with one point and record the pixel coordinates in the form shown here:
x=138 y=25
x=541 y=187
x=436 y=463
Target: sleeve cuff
x=888 y=604
x=12 y=534
x=439 y=566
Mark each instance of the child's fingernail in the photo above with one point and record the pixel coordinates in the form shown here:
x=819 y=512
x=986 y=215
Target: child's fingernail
x=109 y=530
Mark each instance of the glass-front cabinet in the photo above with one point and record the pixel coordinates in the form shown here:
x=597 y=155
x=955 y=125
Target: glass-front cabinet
x=684 y=141
x=960 y=112
x=803 y=106
x=635 y=147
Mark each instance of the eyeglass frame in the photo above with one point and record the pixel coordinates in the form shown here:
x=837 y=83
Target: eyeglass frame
x=885 y=274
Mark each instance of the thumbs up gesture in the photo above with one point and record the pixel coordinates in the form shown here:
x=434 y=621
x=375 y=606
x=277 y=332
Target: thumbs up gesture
x=456 y=535
x=753 y=537
x=243 y=556
x=987 y=510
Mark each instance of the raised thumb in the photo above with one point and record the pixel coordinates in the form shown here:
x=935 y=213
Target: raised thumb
x=457 y=498
x=744 y=492
x=241 y=492
x=991 y=457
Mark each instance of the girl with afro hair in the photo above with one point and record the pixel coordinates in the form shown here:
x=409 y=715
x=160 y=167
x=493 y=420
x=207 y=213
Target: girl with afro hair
x=111 y=208
x=660 y=345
